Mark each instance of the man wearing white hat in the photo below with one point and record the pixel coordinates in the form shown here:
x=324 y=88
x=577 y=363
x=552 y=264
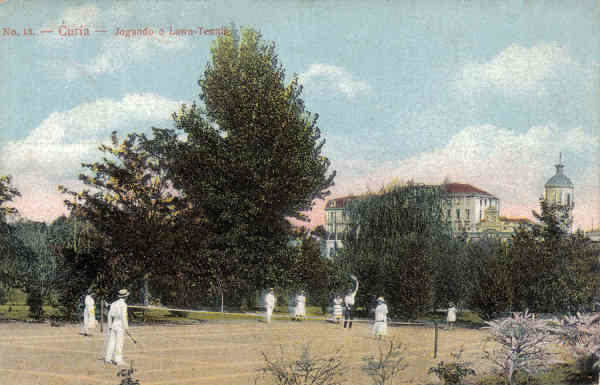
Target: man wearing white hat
x=381 y=311
x=117 y=326
x=270 y=303
x=89 y=315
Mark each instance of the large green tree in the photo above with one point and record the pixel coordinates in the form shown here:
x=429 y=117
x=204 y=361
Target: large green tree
x=132 y=209
x=553 y=270
x=7 y=193
x=251 y=160
x=395 y=239
x=15 y=257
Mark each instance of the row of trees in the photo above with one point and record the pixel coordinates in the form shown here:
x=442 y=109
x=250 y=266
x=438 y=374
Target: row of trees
x=400 y=247
x=204 y=207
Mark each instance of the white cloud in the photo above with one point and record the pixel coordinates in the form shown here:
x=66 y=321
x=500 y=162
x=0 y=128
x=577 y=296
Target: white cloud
x=517 y=69
x=326 y=75
x=119 y=51
x=115 y=52
x=52 y=153
x=513 y=166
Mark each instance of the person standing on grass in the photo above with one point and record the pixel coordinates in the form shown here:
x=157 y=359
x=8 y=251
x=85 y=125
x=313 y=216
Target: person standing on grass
x=338 y=309
x=270 y=303
x=300 y=310
x=349 y=300
x=381 y=311
x=89 y=314
x=451 y=317
x=117 y=327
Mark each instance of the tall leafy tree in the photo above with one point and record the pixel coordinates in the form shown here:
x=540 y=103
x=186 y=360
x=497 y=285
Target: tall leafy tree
x=393 y=245
x=552 y=269
x=251 y=160
x=131 y=206
x=7 y=193
x=15 y=257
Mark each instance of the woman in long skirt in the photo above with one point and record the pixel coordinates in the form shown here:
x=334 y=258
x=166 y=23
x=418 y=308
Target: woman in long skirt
x=89 y=315
x=381 y=311
x=338 y=309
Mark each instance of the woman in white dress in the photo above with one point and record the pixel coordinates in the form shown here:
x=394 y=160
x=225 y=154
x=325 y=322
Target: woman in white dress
x=451 y=317
x=338 y=309
x=300 y=310
x=89 y=314
x=380 y=326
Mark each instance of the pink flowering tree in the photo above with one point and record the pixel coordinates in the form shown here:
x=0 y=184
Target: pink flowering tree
x=519 y=342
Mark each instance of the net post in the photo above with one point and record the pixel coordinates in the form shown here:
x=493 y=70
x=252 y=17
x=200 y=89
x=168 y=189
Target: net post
x=435 y=340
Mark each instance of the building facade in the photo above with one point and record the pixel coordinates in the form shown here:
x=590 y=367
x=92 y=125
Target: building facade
x=465 y=206
x=469 y=211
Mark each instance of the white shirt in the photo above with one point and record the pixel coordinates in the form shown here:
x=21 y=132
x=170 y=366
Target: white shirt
x=349 y=299
x=270 y=300
x=381 y=312
x=117 y=315
x=89 y=302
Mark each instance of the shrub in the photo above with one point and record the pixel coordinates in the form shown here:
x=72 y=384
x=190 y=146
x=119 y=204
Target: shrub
x=307 y=369
x=3 y=296
x=127 y=375
x=34 y=301
x=581 y=335
x=522 y=341
x=385 y=367
x=179 y=313
x=453 y=373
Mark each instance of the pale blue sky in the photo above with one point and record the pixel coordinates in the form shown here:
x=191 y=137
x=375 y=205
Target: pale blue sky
x=486 y=93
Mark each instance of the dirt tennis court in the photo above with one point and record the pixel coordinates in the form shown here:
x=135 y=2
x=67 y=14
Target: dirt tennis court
x=213 y=352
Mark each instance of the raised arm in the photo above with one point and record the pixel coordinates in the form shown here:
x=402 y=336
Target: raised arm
x=356 y=281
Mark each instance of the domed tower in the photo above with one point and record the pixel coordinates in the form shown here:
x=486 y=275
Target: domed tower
x=559 y=189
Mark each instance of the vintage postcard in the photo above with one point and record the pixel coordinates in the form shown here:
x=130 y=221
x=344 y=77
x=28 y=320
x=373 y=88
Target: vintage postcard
x=204 y=192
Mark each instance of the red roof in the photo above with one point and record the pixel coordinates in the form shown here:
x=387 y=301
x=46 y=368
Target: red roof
x=339 y=202
x=464 y=188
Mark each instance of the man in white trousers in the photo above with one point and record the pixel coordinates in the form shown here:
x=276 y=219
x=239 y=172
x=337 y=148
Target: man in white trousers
x=89 y=314
x=270 y=303
x=117 y=326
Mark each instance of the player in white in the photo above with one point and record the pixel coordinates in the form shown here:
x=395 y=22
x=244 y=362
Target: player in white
x=89 y=315
x=349 y=301
x=338 y=309
x=300 y=310
x=451 y=317
x=270 y=303
x=117 y=327
x=381 y=311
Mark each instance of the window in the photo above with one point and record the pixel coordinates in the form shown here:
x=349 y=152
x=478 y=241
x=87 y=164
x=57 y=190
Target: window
x=458 y=214
x=468 y=216
x=480 y=214
x=560 y=197
x=449 y=215
x=568 y=199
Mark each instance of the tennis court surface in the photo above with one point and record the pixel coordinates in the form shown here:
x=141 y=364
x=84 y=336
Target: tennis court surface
x=214 y=352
